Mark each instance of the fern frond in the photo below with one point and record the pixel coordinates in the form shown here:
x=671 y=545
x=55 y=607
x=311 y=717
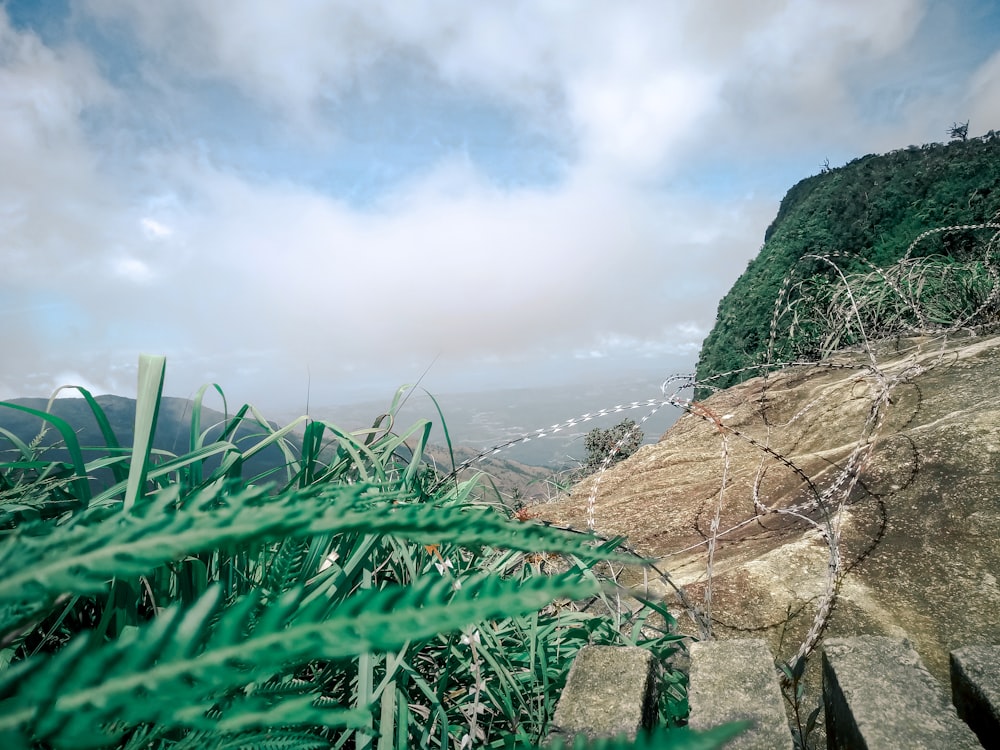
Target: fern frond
x=284 y=739
x=285 y=566
x=173 y=671
x=81 y=558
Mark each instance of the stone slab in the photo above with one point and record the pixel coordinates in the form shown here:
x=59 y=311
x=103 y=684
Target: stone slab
x=878 y=695
x=975 y=690
x=736 y=680
x=610 y=690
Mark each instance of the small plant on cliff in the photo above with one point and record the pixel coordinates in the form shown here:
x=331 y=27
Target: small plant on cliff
x=793 y=691
x=606 y=447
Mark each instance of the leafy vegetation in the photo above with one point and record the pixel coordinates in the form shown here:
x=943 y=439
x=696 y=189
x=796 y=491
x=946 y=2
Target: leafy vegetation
x=866 y=215
x=607 y=447
x=349 y=598
x=818 y=315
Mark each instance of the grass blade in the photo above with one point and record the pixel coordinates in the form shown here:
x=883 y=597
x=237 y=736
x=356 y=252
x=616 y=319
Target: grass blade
x=80 y=483
x=147 y=407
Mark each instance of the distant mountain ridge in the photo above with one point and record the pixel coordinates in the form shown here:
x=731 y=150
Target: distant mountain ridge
x=172 y=431
x=173 y=428
x=173 y=436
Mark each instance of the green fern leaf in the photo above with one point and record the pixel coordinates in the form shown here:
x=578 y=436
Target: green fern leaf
x=80 y=558
x=171 y=671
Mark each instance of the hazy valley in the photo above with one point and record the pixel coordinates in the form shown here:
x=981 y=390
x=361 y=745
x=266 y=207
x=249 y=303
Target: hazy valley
x=482 y=420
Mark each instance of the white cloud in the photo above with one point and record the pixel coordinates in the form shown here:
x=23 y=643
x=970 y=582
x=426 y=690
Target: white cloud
x=154 y=233
x=801 y=73
x=154 y=229
x=68 y=383
x=633 y=127
x=57 y=205
x=630 y=85
x=43 y=92
x=984 y=96
x=132 y=269
x=447 y=264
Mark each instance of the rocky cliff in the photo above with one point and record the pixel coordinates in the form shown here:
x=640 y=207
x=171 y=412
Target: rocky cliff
x=857 y=495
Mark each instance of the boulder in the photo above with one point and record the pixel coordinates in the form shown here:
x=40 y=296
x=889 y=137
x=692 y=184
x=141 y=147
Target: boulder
x=877 y=481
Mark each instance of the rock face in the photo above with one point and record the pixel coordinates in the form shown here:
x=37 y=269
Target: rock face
x=871 y=476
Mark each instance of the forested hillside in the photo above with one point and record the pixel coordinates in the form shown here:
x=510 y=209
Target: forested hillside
x=866 y=213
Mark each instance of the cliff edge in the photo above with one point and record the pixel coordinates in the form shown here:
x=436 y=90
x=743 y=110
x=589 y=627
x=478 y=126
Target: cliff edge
x=858 y=495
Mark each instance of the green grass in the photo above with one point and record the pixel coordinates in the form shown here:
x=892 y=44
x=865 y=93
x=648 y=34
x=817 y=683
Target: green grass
x=347 y=599
x=821 y=314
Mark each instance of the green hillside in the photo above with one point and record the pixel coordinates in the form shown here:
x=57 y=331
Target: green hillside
x=172 y=436
x=871 y=209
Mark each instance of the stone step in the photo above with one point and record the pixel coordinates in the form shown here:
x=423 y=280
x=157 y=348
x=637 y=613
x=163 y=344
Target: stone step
x=734 y=680
x=878 y=695
x=609 y=690
x=975 y=690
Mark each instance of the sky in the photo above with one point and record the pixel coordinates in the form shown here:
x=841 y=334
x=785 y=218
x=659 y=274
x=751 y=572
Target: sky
x=327 y=200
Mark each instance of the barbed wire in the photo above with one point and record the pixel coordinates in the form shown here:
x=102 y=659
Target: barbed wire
x=828 y=501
